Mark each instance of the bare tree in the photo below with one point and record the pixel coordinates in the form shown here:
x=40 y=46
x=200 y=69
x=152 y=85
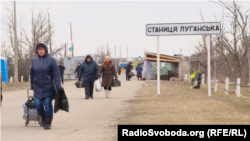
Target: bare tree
x=26 y=45
x=231 y=46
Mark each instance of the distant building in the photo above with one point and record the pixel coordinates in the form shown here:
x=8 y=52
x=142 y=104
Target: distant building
x=70 y=64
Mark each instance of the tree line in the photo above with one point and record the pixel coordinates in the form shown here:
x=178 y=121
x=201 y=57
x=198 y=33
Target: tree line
x=229 y=49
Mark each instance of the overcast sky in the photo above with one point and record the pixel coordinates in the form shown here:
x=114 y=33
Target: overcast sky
x=119 y=23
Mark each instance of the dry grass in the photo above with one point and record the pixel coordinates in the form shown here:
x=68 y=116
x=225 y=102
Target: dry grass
x=178 y=104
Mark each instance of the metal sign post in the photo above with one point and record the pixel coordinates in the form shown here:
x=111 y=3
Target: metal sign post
x=208 y=65
x=158 y=66
x=173 y=29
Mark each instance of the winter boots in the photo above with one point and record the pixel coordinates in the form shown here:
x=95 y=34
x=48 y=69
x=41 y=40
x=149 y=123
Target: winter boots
x=108 y=93
x=47 y=125
x=43 y=120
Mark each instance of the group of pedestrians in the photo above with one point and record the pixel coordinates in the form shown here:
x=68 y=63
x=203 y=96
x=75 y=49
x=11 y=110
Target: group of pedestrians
x=128 y=69
x=46 y=78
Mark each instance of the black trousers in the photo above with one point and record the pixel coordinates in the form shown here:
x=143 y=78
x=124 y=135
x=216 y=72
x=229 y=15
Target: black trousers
x=119 y=72
x=89 y=87
x=127 y=76
x=109 y=88
x=61 y=78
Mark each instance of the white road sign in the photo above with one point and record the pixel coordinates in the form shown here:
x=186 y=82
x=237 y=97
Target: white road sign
x=171 y=29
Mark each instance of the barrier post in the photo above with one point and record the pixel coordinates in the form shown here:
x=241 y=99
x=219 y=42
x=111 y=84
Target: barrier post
x=215 y=86
x=203 y=77
x=238 y=87
x=226 y=85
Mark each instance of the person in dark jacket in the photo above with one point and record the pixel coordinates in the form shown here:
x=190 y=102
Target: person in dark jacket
x=128 y=69
x=45 y=81
x=139 y=71
x=119 y=69
x=1 y=87
x=125 y=67
x=90 y=72
x=61 y=69
x=108 y=73
x=78 y=68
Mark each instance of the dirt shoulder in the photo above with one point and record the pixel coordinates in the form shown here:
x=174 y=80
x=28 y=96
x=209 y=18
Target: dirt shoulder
x=178 y=104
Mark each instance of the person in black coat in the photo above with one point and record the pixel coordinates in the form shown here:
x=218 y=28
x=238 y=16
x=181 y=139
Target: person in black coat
x=61 y=69
x=139 y=71
x=90 y=72
x=45 y=82
x=128 y=69
x=78 y=68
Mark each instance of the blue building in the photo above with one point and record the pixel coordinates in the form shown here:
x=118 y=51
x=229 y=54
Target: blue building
x=4 y=69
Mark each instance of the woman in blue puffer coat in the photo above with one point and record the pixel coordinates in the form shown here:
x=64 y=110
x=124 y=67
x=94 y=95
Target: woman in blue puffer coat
x=45 y=81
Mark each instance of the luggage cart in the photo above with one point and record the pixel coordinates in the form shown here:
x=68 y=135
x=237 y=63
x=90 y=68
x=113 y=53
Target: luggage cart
x=28 y=117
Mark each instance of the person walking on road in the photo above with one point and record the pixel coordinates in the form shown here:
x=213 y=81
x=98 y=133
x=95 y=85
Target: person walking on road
x=139 y=71
x=90 y=72
x=128 y=69
x=1 y=87
x=108 y=73
x=119 y=69
x=77 y=70
x=61 y=69
x=44 y=81
x=125 y=67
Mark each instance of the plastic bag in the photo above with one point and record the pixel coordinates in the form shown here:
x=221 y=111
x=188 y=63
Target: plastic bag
x=33 y=115
x=98 y=86
x=193 y=75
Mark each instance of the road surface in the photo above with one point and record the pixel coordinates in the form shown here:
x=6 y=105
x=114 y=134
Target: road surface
x=87 y=120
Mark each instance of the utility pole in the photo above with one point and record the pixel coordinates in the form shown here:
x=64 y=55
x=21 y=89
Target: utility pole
x=71 y=40
x=249 y=51
x=107 y=47
x=214 y=65
x=15 y=40
x=50 y=35
x=180 y=67
x=127 y=54
x=144 y=53
x=65 y=50
x=115 y=59
x=189 y=66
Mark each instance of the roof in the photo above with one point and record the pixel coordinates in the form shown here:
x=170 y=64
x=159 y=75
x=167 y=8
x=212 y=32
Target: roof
x=163 y=58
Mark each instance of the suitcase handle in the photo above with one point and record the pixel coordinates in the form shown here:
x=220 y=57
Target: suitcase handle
x=28 y=93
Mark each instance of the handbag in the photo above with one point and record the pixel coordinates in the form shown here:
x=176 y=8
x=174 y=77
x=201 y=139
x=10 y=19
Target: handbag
x=130 y=73
x=79 y=84
x=30 y=103
x=116 y=83
x=76 y=75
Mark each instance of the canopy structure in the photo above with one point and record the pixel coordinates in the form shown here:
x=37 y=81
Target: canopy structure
x=152 y=57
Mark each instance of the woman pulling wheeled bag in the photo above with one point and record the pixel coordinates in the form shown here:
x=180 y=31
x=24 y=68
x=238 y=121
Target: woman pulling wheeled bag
x=45 y=80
